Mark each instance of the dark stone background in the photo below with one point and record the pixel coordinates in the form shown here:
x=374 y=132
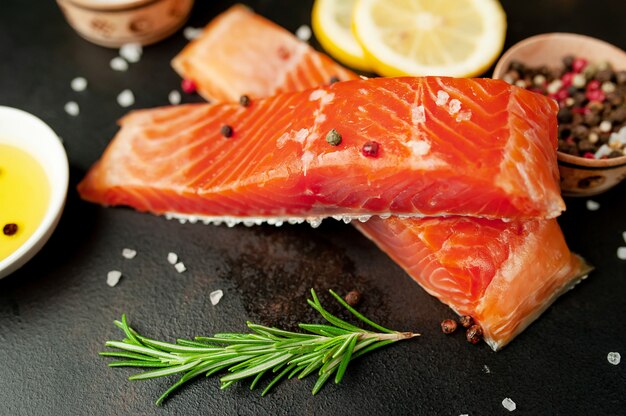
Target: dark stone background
x=57 y=311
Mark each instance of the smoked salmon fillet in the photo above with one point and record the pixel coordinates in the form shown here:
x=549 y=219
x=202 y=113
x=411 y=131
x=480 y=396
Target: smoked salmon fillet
x=446 y=146
x=504 y=275
x=273 y=60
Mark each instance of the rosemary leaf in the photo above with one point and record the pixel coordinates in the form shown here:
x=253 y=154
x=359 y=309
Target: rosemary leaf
x=325 y=348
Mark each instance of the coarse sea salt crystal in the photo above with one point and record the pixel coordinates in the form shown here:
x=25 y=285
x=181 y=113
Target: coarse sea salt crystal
x=129 y=253
x=614 y=358
x=72 y=108
x=486 y=369
x=79 y=84
x=464 y=116
x=126 y=98
x=304 y=33
x=216 y=296
x=191 y=33
x=509 y=404
x=174 y=97
x=418 y=115
x=118 y=64
x=131 y=52
x=172 y=258
x=454 y=106
x=442 y=98
x=621 y=253
x=592 y=205
x=180 y=267
x=113 y=277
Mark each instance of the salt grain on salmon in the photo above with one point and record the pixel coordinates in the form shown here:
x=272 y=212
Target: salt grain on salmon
x=131 y=52
x=129 y=253
x=126 y=98
x=592 y=205
x=509 y=404
x=113 y=277
x=79 y=84
x=216 y=296
x=172 y=258
x=180 y=267
x=614 y=358
x=72 y=108
x=118 y=64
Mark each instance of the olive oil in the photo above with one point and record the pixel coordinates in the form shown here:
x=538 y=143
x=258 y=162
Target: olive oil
x=24 y=197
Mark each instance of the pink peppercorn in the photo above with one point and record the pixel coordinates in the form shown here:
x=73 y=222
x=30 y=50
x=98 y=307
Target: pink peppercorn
x=561 y=95
x=595 y=95
x=593 y=85
x=589 y=155
x=567 y=79
x=579 y=64
x=188 y=86
x=370 y=149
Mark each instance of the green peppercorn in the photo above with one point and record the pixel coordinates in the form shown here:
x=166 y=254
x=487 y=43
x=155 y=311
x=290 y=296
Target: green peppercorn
x=333 y=138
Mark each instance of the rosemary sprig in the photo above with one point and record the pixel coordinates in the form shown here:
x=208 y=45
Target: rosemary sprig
x=266 y=351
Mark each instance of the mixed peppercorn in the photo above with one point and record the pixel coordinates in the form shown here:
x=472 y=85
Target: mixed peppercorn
x=592 y=105
x=473 y=334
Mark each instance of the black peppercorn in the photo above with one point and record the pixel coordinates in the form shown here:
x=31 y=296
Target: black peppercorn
x=9 y=229
x=564 y=115
x=227 y=131
x=244 y=100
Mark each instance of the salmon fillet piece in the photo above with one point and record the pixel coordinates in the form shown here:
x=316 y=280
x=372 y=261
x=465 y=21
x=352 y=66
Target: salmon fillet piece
x=502 y=274
x=273 y=60
x=487 y=151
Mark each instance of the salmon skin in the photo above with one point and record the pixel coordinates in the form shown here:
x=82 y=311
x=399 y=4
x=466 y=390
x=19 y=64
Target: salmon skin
x=502 y=274
x=487 y=151
x=273 y=60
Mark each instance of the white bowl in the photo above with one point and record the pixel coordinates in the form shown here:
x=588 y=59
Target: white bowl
x=21 y=129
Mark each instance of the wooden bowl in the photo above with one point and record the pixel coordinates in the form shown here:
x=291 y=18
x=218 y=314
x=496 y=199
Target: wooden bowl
x=112 y=23
x=579 y=176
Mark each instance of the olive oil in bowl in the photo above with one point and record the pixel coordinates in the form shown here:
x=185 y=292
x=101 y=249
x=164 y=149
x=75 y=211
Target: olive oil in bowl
x=24 y=197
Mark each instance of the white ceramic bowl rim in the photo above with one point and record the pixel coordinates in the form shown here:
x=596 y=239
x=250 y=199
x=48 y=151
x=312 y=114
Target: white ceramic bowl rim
x=24 y=130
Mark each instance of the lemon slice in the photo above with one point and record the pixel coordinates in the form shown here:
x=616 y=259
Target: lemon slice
x=331 y=20
x=458 y=38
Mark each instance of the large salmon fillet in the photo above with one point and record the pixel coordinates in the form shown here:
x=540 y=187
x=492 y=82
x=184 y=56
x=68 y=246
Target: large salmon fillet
x=446 y=147
x=272 y=59
x=502 y=274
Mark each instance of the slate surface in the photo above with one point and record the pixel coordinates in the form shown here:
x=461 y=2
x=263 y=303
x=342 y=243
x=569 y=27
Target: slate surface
x=56 y=312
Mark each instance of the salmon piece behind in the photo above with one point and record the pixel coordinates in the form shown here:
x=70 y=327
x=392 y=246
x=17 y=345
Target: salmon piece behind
x=502 y=274
x=271 y=60
x=497 y=161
